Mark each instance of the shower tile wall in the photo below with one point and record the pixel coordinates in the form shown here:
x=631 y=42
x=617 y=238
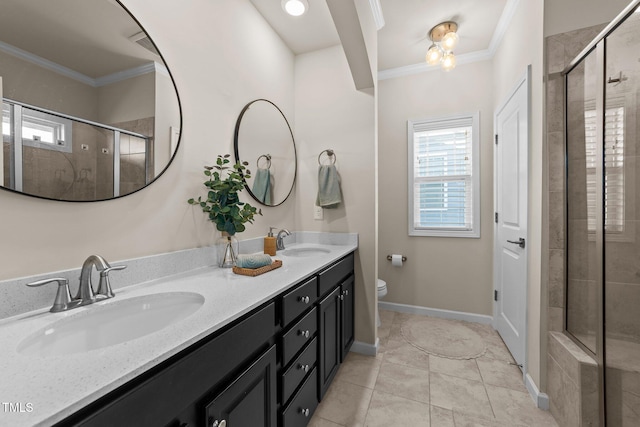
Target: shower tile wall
x=570 y=402
x=573 y=400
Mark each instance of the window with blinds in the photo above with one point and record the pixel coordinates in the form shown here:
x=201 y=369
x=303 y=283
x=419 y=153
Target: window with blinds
x=614 y=194
x=444 y=177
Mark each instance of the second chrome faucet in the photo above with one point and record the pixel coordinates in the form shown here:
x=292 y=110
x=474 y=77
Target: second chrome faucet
x=86 y=294
x=280 y=238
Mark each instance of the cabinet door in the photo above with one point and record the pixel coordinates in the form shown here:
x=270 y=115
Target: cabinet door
x=329 y=325
x=250 y=400
x=346 y=303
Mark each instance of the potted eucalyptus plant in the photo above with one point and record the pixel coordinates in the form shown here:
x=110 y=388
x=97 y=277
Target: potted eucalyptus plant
x=223 y=206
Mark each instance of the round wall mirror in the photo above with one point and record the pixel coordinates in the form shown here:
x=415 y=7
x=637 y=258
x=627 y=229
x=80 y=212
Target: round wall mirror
x=89 y=109
x=263 y=138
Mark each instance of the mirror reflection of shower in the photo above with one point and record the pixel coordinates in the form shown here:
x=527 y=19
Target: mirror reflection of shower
x=57 y=156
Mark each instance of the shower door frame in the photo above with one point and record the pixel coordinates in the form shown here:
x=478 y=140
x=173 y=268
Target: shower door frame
x=597 y=45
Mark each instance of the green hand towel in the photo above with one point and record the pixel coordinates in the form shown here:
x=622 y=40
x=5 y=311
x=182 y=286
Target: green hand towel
x=262 y=186
x=253 y=260
x=329 y=194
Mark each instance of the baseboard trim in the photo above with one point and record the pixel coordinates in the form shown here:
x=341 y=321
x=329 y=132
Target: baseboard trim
x=540 y=399
x=436 y=312
x=366 y=349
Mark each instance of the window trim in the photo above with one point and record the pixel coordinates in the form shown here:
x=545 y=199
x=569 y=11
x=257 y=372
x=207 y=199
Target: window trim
x=440 y=121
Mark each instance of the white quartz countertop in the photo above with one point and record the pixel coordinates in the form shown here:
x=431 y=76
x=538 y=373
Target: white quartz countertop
x=42 y=390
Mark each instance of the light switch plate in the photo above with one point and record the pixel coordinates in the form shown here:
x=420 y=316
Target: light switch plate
x=318 y=212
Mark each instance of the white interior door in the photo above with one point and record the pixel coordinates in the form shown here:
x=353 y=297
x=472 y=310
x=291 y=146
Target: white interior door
x=510 y=243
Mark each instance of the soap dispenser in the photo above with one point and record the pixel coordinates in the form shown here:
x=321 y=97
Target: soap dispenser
x=270 y=243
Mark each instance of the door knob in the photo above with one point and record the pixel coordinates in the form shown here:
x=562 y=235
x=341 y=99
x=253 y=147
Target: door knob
x=520 y=242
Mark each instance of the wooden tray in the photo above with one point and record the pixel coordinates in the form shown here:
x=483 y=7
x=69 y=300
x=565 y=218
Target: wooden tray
x=257 y=271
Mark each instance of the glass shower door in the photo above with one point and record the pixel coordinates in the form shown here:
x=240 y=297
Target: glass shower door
x=622 y=211
x=582 y=261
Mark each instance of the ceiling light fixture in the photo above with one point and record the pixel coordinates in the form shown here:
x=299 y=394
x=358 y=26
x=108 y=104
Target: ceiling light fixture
x=295 y=7
x=444 y=38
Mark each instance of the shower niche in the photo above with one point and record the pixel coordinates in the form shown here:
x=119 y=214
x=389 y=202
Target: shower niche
x=602 y=115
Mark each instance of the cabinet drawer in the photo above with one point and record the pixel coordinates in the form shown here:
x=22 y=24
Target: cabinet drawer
x=303 y=405
x=293 y=376
x=298 y=300
x=333 y=275
x=299 y=334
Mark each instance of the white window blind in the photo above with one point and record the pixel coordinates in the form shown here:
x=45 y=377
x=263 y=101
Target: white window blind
x=614 y=194
x=443 y=177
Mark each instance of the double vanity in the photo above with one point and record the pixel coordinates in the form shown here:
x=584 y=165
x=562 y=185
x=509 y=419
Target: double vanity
x=202 y=348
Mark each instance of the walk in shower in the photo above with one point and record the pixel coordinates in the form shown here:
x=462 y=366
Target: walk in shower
x=602 y=118
x=53 y=155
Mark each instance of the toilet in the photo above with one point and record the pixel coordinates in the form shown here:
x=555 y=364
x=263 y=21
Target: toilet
x=382 y=291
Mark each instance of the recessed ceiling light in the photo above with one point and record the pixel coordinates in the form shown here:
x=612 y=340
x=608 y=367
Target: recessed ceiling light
x=295 y=7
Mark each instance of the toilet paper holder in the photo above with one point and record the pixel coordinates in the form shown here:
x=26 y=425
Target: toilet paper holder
x=404 y=258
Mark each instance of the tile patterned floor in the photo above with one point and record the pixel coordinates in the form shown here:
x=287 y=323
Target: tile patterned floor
x=403 y=386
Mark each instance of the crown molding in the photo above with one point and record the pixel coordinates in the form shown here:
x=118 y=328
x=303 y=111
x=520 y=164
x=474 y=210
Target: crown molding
x=376 y=8
x=423 y=67
x=149 y=67
x=467 y=58
x=503 y=24
x=82 y=78
x=45 y=63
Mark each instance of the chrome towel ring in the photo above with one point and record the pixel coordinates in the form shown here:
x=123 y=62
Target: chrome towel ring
x=330 y=154
x=267 y=157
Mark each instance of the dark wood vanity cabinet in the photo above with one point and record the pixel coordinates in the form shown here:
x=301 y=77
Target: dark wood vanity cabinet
x=251 y=399
x=347 y=301
x=336 y=326
x=269 y=368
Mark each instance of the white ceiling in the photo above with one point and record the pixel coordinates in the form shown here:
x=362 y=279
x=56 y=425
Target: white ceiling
x=312 y=31
x=92 y=37
x=89 y=37
x=403 y=40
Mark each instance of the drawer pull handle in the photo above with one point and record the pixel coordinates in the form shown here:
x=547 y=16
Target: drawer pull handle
x=345 y=292
x=304 y=299
x=341 y=297
x=303 y=367
x=217 y=423
x=304 y=333
x=304 y=412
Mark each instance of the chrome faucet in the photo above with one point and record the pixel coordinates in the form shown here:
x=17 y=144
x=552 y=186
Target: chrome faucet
x=86 y=294
x=280 y=238
x=85 y=289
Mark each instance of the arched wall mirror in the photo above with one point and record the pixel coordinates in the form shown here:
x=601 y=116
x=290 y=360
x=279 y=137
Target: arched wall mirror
x=89 y=109
x=263 y=138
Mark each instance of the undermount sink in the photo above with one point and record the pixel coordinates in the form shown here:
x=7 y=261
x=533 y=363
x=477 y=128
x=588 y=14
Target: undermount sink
x=113 y=323
x=300 y=252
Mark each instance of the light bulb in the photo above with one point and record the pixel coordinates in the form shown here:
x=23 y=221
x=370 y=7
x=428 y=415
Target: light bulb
x=449 y=41
x=295 y=7
x=434 y=55
x=448 y=61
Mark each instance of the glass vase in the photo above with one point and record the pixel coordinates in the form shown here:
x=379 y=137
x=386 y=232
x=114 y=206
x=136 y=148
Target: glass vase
x=227 y=248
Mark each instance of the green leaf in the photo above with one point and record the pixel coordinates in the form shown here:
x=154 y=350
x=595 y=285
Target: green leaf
x=230 y=228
